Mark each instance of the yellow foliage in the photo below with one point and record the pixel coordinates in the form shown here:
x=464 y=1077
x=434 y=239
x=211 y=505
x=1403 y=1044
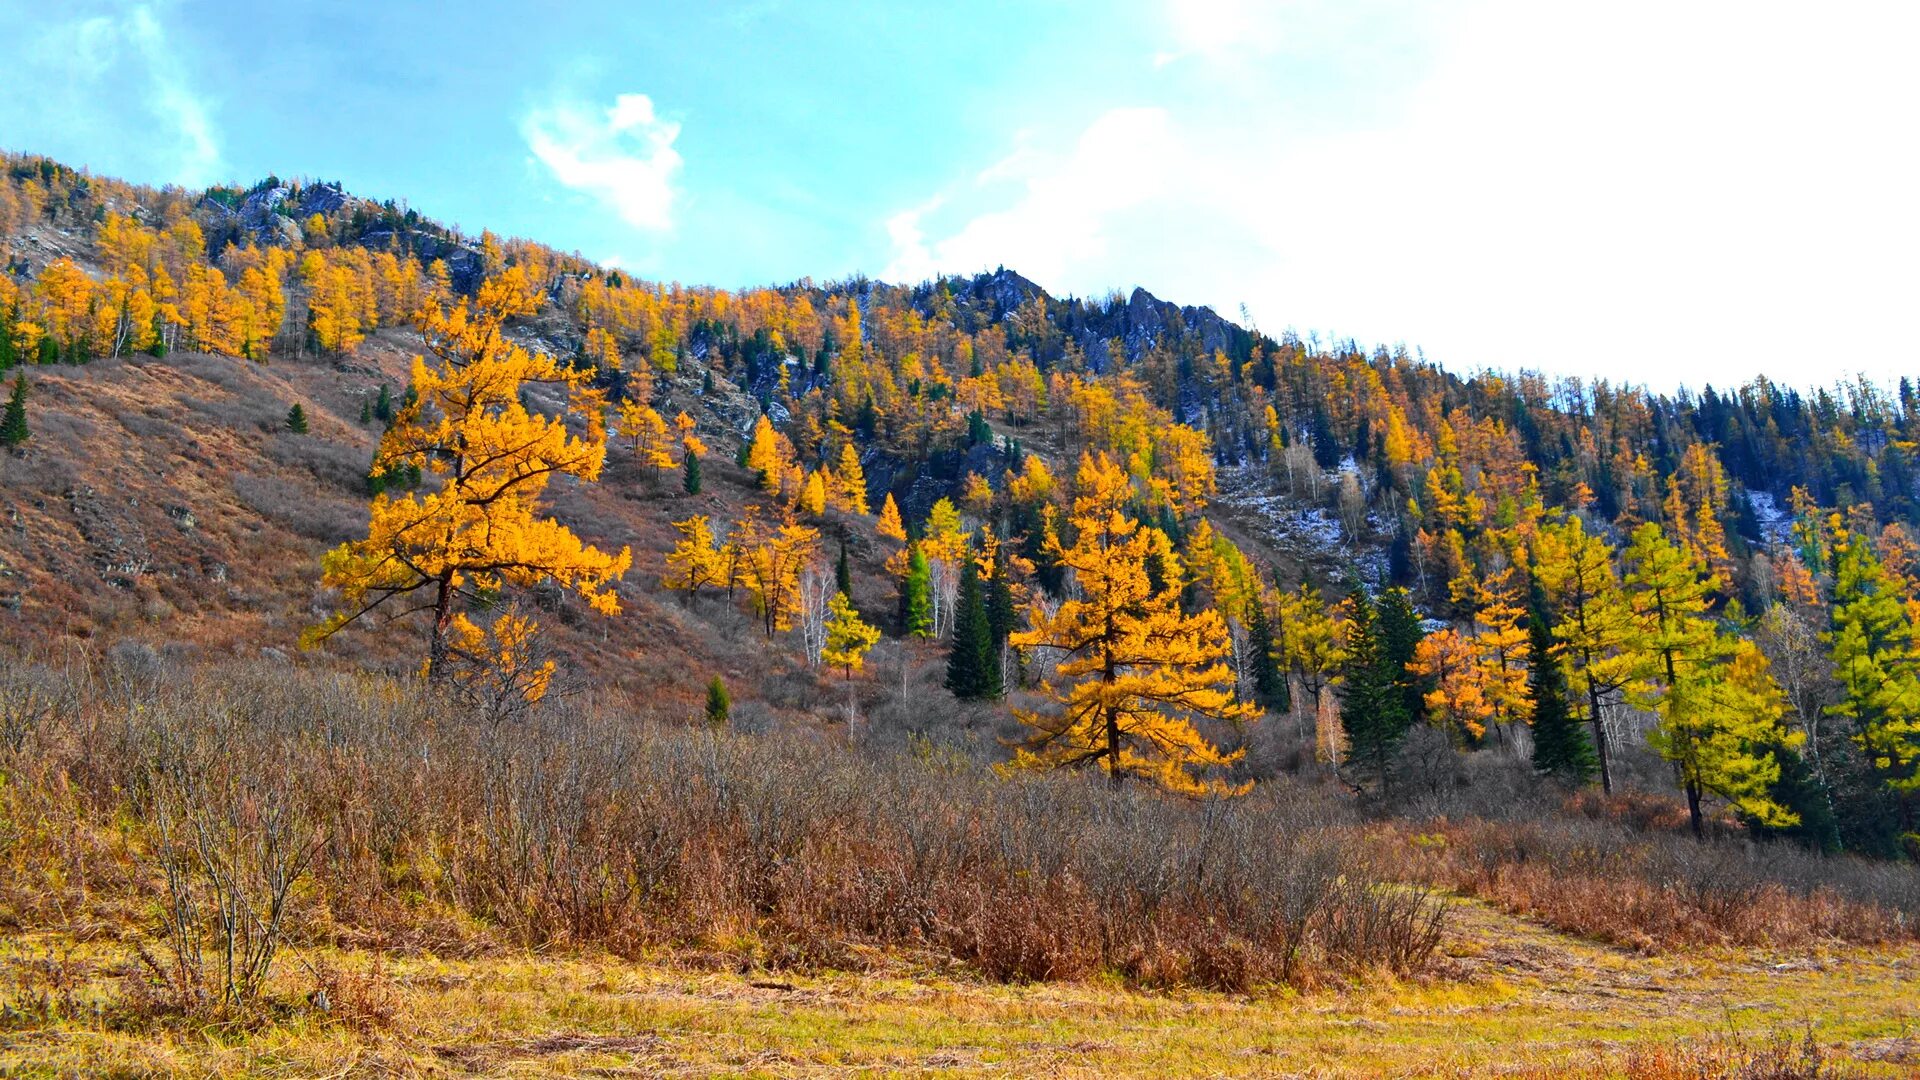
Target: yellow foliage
x=476 y=526
x=1135 y=671
x=695 y=561
x=848 y=637
x=890 y=525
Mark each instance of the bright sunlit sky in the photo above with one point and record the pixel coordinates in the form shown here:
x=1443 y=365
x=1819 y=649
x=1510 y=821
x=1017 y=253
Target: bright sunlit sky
x=1665 y=192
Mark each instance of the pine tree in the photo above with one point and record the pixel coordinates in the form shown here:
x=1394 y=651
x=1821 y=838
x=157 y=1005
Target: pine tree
x=297 y=419
x=719 y=703
x=1000 y=609
x=1400 y=635
x=13 y=426
x=1560 y=745
x=383 y=405
x=973 y=664
x=366 y=410
x=1269 y=683
x=690 y=474
x=1373 y=704
x=916 y=600
x=843 y=573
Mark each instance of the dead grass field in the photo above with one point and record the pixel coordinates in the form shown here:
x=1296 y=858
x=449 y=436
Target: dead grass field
x=1514 y=999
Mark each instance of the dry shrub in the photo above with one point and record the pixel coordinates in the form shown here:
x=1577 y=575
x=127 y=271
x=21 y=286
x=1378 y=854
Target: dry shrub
x=580 y=826
x=1647 y=889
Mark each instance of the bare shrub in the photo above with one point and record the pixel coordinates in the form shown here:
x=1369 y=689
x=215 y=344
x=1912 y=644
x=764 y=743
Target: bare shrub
x=231 y=845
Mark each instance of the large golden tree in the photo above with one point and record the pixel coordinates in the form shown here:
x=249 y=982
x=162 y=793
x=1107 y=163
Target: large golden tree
x=1135 y=671
x=476 y=524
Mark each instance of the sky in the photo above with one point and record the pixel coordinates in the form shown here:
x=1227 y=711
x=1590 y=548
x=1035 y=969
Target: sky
x=1669 y=193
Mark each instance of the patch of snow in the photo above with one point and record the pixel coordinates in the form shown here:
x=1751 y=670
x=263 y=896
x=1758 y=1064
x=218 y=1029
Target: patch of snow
x=1776 y=525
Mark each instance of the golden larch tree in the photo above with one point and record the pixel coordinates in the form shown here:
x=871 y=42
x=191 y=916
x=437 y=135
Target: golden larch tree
x=476 y=526
x=1135 y=672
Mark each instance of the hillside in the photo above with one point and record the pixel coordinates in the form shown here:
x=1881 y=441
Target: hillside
x=1186 y=677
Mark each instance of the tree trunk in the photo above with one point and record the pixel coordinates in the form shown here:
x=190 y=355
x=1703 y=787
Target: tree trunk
x=1599 y=739
x=442 y=621
x=1693 y=811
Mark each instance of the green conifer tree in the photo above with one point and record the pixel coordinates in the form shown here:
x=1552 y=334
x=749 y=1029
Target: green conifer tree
x=690 y=473
x=1400 y=634
x=719 y=703
x=1561 y=748
x=916 y=601
x=843 y=573
x=1373 y=709
x=297 y=419
x=1876 y=658
x=1269 y=682
x=13 y=426
x=973 y=668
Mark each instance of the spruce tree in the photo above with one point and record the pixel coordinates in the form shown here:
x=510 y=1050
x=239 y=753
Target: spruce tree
x=1400 y=634
x=1560 y=745
x=13 y=427
x=383 y=405
x=297 y=419
x=1373 y=709
x=719 y=703
x=366 y=411
x=973 y=671
x=843 y=573
x=1000 y=609
x=916 y=601
x=690 y=473
x=1269 y=682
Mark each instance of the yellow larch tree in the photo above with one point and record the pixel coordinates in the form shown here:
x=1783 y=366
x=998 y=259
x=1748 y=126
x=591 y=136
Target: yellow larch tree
x=1458 y=701
x=695 y=561
x=1135 y=673
x=813 y=495
x=848 y=636
x=771 y=568
x=849 y=488
x=476 y=526
x=646 y=432
x=764 y=456
x=890 y=525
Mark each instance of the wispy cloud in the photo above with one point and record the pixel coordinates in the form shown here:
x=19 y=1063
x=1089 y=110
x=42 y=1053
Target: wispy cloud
x=622 y=155
x=1059 y=208
x=78 y=76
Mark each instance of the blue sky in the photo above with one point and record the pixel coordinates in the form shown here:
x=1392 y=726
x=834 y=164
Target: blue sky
x=1664 y=192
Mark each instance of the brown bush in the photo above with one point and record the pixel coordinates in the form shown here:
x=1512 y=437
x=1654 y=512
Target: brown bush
x=1629 y=883
x=579 y=826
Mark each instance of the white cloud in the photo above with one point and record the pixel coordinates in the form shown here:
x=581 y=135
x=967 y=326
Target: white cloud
x=1061 y=208
x=77 y=76
x=1650 y=191
x=622 y=155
